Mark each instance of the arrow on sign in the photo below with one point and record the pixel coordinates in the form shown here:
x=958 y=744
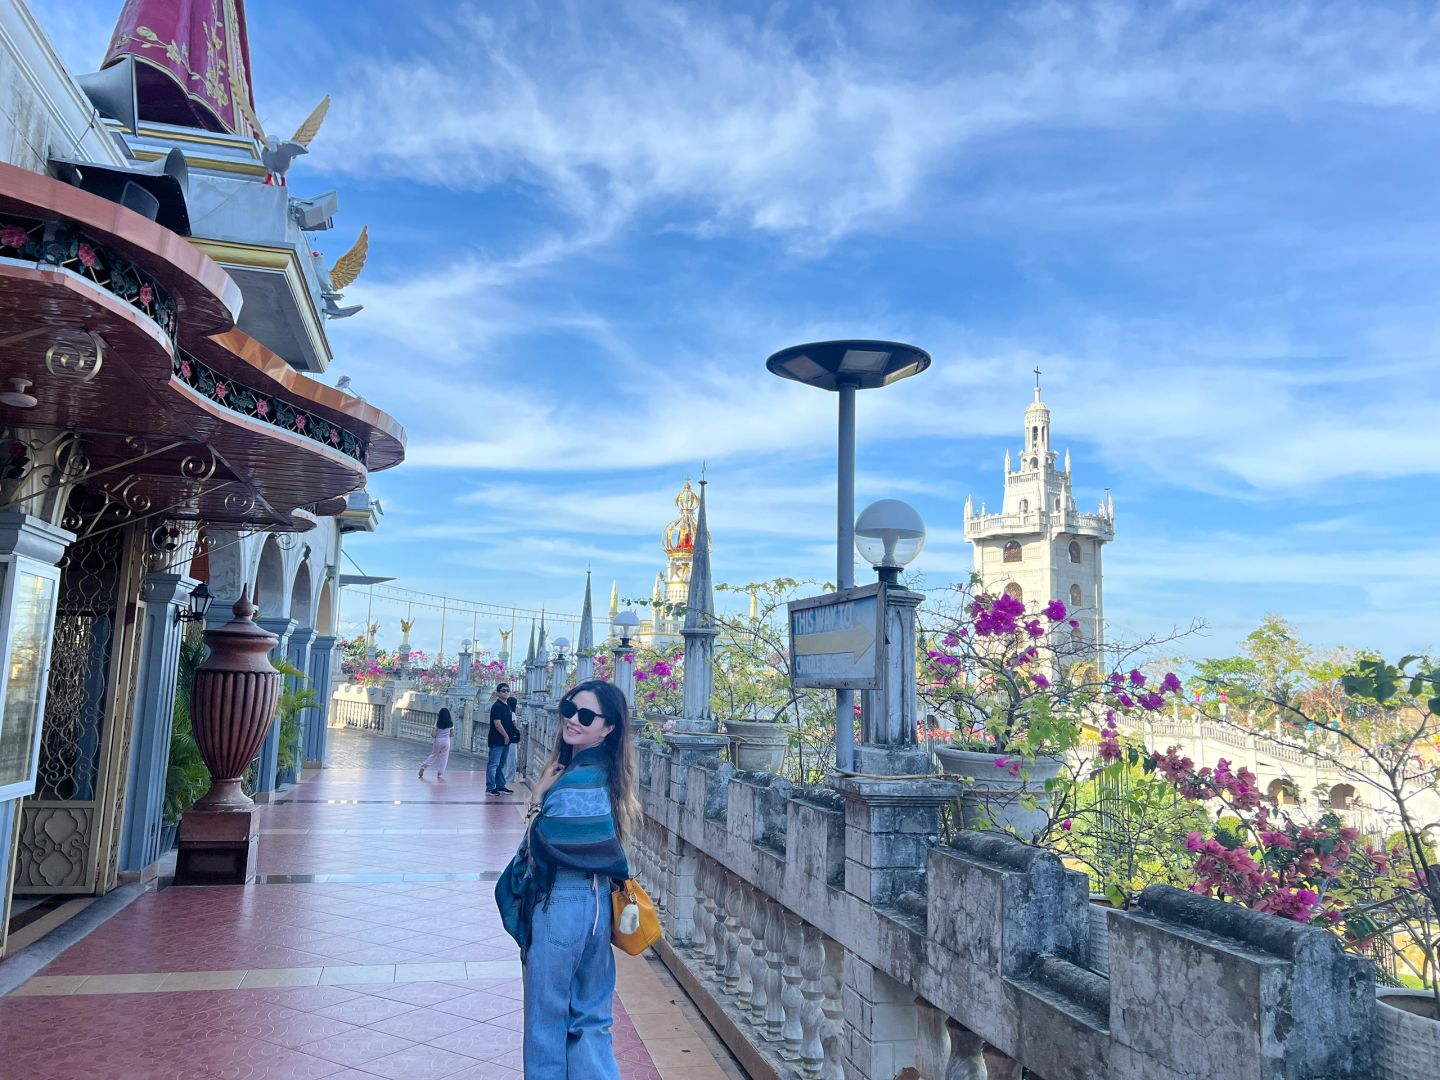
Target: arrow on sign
x=857 y=640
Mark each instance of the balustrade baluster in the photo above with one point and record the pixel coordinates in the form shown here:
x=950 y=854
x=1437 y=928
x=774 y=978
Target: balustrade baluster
x=735 y=897
x=812 y=1013
x=834 y=1008
x=967 y=1053
x=700 y=936
x=790 y=996
x=712 y=914
x=723 y=898
x=745 y=980
x=759 y=966
x=774 y=961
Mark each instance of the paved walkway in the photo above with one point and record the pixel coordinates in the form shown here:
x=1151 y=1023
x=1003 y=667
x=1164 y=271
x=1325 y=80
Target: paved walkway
x=369 y=947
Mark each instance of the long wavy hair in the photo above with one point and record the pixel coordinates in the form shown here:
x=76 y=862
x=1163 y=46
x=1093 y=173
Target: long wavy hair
x=619 y=748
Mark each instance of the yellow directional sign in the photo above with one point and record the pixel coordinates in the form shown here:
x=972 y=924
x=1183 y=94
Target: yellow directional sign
x=837 y=640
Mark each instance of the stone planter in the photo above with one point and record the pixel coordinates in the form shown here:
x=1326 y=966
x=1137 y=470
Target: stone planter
x=992 y=794
x=757 y=745
x=1409 y=1028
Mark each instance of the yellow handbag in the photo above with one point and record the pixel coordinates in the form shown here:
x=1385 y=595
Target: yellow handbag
x=636 y=926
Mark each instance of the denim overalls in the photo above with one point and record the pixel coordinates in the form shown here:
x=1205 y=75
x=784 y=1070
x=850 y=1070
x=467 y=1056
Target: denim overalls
x=569 y=983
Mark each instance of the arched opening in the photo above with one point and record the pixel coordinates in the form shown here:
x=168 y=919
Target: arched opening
x=1015 y=592
x=269 y=593
x=1034 y=463
x=1281 y=792
x=300 y=592
x=1076 y=599
x=1012 y=551
x=1342 y=797
x=325 y=611
x=1075 y=551
x=1057 y=503
x=1034 y=436
x=1076 y=637
x=1024 y=506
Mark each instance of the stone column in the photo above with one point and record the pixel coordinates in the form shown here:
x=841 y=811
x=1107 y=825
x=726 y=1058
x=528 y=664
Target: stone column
x=322 y=666
x=164 y=596
x=270 y=749
x=462 y=672
x=891 y=822
x=298 y=653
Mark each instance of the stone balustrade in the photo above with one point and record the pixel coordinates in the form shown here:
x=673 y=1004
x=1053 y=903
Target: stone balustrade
x=402 y=712
x=827 y=934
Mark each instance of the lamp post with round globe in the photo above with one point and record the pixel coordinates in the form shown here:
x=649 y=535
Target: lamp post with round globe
x=625 y=625
x=889 y=535
x=845 y=367
x=558 y=663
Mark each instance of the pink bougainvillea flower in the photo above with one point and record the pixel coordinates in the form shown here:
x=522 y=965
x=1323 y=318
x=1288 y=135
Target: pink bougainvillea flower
x=1170 y=684
x=1041 y=681
x=1065 y=824
x=1055 y=611
x=1137 y=678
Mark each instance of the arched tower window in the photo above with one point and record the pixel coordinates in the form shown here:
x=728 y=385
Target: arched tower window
x=1076 y=637
x=1024 y=506
x=1034 y=437
x=1075 y=551
x=1012 y=552
x=1075 y=598
x=1034 y=463
x=1057 y=503
x=1015 y=592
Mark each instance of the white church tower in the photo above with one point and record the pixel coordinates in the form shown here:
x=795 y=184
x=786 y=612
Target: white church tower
x=1039 y=548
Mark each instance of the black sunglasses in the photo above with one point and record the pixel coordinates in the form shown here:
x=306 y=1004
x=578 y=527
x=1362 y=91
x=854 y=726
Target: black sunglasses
x=586 y=717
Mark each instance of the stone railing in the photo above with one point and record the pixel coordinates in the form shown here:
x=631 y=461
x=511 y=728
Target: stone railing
x=402 y=713
x=828 y=933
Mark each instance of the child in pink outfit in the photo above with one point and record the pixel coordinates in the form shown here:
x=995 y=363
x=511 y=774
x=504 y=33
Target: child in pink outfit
x=440 y=748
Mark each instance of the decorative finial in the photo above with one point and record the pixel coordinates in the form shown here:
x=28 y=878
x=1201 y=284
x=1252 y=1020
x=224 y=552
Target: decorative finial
x=1037 y=384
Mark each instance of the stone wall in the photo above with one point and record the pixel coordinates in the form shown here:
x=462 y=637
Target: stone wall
x=829 y=933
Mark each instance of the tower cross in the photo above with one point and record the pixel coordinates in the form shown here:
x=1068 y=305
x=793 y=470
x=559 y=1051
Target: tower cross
x=1037 y=380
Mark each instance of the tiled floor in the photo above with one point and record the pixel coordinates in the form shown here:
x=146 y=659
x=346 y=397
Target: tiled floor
x=392 y=964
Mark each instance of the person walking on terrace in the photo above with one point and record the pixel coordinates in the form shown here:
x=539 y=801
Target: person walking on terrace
x=499 y=742
x=439 y=746
x=582 y=808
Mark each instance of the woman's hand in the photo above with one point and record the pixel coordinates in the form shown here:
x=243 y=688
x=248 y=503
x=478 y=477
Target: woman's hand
x=546 y=781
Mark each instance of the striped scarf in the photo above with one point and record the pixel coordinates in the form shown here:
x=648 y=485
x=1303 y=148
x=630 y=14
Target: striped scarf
x=576 y=827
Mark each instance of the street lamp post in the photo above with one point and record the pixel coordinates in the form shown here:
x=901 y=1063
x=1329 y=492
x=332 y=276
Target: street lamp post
x=626 y=623
x=845 y=367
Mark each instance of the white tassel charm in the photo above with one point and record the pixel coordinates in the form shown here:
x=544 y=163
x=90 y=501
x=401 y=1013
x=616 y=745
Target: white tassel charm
x=629 y=919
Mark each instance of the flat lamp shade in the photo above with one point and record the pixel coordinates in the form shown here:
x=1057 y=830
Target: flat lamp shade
x=889 y=533
x=861 y=364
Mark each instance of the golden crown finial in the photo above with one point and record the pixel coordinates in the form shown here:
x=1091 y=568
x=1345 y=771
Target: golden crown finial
x=680 y=533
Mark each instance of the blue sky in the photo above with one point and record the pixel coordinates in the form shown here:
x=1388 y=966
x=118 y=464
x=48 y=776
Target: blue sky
x=1213 y=225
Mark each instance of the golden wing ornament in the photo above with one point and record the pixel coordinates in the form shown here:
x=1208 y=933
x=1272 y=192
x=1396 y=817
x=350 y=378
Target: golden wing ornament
x=347 y=268
x=252 y=120
x=311 y=127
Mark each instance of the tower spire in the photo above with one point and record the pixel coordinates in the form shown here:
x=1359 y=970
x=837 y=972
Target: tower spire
x=614 y=601
x=585 y=638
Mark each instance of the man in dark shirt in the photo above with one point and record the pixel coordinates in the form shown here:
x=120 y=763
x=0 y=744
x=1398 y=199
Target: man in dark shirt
x=499 y=741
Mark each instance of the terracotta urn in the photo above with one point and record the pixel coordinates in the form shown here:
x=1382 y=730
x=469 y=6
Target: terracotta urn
x=233 y=704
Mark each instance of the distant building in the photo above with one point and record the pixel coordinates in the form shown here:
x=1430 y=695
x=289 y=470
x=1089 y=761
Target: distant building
x=672 y=586
x=163 y=310
x=1039 y=547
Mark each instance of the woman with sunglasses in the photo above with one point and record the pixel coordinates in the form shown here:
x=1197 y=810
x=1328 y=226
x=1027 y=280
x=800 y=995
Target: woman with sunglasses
x=584 y=807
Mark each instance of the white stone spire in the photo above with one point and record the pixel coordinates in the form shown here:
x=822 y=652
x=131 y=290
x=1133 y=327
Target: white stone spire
x=585 y=639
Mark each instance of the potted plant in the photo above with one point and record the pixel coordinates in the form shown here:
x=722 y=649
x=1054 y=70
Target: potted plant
x=1015 y=688
x=186 y=777
x=295 y=698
